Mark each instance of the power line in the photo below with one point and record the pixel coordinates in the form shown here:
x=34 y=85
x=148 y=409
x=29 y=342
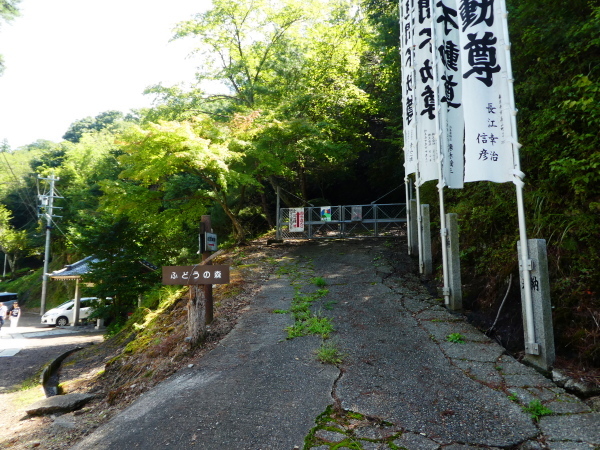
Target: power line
x=27 y=204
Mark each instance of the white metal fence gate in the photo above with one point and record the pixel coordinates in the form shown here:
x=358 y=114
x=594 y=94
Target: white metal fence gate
x=349 y=221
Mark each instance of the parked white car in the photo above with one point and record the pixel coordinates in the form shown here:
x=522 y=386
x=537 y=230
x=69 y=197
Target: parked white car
x=63 y=314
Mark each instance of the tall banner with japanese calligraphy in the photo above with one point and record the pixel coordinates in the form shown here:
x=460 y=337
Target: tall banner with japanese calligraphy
x=425 y=95
x=488 y=134
x=408 y=85
x=449 y=72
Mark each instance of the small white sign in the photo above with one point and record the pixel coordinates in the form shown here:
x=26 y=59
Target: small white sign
x=210 y=241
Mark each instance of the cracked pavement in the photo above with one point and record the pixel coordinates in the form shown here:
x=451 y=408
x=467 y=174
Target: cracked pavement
x=401 y=383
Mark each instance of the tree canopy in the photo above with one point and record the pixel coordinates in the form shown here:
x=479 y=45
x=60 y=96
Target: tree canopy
x=9 y=9
x=307 y=96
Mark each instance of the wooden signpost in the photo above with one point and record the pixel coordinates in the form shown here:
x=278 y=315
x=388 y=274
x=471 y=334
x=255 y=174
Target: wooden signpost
x=200 y=305
x=198 y=274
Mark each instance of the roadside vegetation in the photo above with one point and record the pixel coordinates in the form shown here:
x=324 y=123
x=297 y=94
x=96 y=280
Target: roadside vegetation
x=149 y=347
x=312 y=106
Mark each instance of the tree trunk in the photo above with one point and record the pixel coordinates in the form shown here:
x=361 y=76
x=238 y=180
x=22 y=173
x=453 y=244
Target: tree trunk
x=196 y=315
x=265 y=208
x=303 y=187
x=12 y=265
x=238 y=230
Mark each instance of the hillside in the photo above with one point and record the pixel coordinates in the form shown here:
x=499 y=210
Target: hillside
x=149 y=349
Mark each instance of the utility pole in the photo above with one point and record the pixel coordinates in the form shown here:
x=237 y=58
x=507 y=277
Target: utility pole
x=46 y=210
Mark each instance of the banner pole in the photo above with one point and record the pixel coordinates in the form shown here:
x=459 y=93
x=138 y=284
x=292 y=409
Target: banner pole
x=419 y=221
x=409 y=236
x=531 y=346
x=440 y=160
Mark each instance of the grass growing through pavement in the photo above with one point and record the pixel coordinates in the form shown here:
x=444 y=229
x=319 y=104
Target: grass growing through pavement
x=536 y=410
x=329 y=353
x=344 y=428
x=319 y=282
x=457 y=338
x=305 y=321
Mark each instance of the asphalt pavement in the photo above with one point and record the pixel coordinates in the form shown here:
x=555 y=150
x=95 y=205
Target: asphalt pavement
x=402 y=382
x=31 y=345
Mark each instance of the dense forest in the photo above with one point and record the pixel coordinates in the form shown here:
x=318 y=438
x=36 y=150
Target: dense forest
x=311 y=103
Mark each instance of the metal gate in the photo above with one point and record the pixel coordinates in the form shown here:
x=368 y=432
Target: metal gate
x=349 y=221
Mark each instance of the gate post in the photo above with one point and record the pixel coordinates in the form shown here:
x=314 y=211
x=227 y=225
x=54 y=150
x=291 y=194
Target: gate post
x=454 y=262
x=543 y=331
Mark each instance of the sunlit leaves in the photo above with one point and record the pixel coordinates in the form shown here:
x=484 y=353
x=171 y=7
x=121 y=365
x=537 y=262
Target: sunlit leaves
x=173 y=171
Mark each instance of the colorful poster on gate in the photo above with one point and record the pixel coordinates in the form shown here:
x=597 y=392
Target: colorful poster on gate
x=296 y=223
x=326 y=213
x=487 y=110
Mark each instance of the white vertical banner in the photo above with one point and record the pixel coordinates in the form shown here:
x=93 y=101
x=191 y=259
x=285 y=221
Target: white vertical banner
x=450 y=92
x=425 y=96
x=486 y=103
x=407 y=23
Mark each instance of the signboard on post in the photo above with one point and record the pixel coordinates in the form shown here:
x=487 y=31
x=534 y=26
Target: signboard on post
x=210 y=242
x=199 y=274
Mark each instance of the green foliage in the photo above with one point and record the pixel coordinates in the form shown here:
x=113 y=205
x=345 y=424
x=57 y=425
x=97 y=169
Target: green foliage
x=536 y=410
x=554 y=46
x=319 y=282
x=311 y=102
x=8 y=11
x=329 y=353
x=456 y=338
x=172 y=172
x=108 y=120
x=119 y=248
x=114 y=327
x=308 y=324
x=345 y=425
x=13 y=242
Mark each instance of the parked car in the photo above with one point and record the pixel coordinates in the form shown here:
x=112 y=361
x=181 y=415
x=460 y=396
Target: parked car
x=8 y=298
x=62 y=315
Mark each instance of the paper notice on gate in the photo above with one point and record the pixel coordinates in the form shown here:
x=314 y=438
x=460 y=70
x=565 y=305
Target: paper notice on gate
x=296 y=220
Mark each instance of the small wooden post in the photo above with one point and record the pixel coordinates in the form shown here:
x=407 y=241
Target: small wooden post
x=77 y=304
x=196 y=315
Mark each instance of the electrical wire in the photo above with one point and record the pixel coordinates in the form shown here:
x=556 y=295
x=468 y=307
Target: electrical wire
x=63 y=233
x=32 y=209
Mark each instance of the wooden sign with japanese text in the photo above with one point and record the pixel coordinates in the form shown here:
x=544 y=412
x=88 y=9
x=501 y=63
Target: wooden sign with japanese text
x=199 y=274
